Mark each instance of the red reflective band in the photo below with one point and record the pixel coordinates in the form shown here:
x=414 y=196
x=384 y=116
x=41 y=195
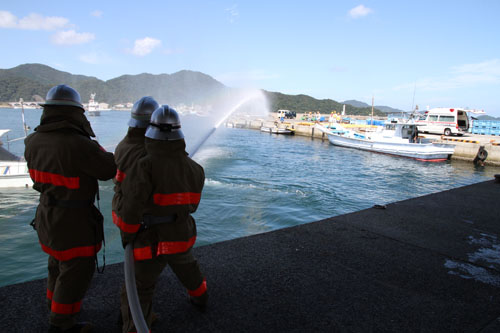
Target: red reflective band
x=185 y=198
x=55 y=179
x=50 y=294
x=82 y=251
x=200 y=290
x=130 y=228
x=65 y=308
x=120 y=176
x=175 y=247
x=143 y=253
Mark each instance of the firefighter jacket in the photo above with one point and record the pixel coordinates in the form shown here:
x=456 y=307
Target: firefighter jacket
x=65 y=165
x=129 y=151
x=164 y=184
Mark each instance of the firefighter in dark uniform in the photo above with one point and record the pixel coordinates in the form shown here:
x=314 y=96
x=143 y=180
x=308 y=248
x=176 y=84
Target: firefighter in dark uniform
x=65 y=164
x=131 y=148
x=159 y=195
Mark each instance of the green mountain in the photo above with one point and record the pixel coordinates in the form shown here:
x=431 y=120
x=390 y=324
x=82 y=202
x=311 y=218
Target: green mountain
x=304 y=103
x=29 y=81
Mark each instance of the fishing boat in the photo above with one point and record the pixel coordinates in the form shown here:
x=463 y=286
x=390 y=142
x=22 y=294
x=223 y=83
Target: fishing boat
x=277 y=130
x=94 y=108
x=13 y=170
x=399 y=139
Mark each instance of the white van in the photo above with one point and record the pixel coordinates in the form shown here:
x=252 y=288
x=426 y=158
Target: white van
x=445 y=121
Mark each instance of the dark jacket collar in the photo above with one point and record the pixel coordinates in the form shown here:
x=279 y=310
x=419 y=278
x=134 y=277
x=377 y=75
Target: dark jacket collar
x=175 y=148
x=67 y=117
x=135 y=135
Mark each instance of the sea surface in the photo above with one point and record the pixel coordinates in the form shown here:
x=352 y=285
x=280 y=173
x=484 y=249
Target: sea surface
x=255 y=182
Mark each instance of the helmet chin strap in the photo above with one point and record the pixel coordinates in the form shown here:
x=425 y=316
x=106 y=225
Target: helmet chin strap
x=165 y=127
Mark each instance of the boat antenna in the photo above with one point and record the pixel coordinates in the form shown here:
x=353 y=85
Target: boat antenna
x=413 y=100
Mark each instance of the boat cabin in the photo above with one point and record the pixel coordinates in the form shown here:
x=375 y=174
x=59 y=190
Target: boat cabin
x=401 y=130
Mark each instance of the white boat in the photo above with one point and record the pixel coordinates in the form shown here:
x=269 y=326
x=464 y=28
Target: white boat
x=399 y=139
x=277 y=130
x=94 y=108
x=13 y=170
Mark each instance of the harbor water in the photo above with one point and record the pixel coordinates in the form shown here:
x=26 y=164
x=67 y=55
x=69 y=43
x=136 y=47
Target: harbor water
x=255 y=182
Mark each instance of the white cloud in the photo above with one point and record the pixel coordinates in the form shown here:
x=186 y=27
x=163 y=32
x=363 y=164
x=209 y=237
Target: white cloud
x=467 y=75
x=97 y=13
x=7 y=20
x=488 y=68
x=32 y=22
x=145 y=46
x=359 y=11
x=71 y=37
x=233 y=13
x=38 y=22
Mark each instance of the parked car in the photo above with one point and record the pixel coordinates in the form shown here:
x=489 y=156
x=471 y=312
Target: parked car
x=287 y=114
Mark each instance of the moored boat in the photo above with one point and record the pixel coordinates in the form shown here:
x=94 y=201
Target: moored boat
x=277 y=130
x=94 y=108
x=399 y=139
x=13 y=170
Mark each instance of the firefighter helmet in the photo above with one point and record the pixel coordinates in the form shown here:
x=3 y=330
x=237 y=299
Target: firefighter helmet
x=63 y=95
x=141 y=112
x=165 y=125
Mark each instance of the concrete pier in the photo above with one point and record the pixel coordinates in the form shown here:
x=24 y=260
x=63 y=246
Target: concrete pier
x=428 y=264
x=466 y=147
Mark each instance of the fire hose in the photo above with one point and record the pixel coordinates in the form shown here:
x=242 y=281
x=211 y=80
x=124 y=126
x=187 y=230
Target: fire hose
x=129 y=268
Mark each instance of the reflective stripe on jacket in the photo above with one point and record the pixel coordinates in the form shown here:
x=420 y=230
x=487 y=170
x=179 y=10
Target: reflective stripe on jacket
x=65 y=165
x=128 y=152
x=164 y=182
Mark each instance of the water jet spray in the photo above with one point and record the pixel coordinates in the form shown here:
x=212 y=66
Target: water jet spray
x=129 y=269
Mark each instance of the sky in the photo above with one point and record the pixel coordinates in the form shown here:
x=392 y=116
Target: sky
x=400 y=53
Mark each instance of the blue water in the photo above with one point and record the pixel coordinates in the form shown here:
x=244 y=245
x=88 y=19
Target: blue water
x=255 y=182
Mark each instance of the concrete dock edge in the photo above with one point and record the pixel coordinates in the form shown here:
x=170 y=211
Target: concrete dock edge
x=428 y=264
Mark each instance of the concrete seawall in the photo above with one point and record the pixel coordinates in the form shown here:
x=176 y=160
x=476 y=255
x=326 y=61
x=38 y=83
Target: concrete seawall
x=428 y=264
x=466 y=147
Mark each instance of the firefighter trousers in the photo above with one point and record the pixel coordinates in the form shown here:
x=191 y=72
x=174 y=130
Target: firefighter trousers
x=67 y=284
x=184 y=266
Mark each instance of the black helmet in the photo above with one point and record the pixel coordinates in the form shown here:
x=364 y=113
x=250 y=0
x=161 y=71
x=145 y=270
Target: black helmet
x=165 y=125
x=63 y=95
x=141 y=112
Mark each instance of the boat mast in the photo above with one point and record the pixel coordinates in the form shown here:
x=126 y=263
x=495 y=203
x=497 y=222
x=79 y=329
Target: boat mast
x=22 y=114
x=373 y=97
